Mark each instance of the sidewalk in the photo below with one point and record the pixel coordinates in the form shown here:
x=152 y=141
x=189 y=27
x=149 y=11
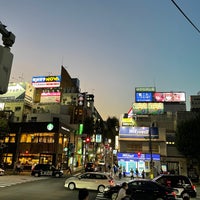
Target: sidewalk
x=28 y=172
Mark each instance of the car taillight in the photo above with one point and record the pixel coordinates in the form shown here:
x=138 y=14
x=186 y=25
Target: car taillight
x=174 y=194
x=171 y=193
x=193 y=187
x=111 y=182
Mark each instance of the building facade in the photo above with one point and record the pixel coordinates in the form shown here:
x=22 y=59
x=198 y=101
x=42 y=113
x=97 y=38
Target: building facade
x=45 y=121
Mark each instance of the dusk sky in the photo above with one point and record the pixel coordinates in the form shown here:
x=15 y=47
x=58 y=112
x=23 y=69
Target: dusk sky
x=111 y=46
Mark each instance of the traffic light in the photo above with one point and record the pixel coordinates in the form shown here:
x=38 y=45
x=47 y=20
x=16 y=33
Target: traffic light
x=139 y=154
x=81 y=99
x=6 y=58
x=87 y=140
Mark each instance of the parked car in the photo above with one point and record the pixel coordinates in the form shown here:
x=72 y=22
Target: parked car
x=143 y=189
x=46 y=170
x=2 y=172
x=90 y=180
x=89 y=167
x=182 y=183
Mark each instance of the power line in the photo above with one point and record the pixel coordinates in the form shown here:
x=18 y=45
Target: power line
x=185 y=16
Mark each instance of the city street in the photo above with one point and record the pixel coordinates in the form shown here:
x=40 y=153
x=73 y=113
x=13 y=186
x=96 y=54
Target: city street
x=14 y=187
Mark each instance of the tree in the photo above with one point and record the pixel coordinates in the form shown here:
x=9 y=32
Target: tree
x=88 y=126
x=112 y=124
x=188 y=138
x=4 y=127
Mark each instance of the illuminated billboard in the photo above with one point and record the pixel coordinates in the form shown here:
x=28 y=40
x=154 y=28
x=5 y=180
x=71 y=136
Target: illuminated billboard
x=169 y=97
x=46 y=81
x=145 y=89
x=50 y=97
x=138 y=132
x=155 y=108
x=140 y=108
x=148 y=108
x=143 y=97
x=128 y=122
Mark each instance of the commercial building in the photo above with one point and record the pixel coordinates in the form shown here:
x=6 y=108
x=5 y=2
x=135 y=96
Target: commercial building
x=149 y=143
x=45 y=117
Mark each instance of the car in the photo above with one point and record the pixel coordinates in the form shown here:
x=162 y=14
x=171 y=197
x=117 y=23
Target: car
x=179 y=182
x=143 y=189
x=89 y=180
x=89 y=167
x=2 y=172
x=46 y=170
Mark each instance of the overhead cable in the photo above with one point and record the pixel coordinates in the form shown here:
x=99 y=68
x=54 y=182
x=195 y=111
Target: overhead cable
x=185 y=16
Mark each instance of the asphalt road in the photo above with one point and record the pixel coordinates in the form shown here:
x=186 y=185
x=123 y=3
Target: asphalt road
x=20 y=187
x=33 y=188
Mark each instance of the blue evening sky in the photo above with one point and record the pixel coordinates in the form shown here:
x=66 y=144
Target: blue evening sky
x=112 y=46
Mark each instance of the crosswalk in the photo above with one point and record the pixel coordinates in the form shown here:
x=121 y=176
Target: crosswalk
x=100 y=196
x=10 y=180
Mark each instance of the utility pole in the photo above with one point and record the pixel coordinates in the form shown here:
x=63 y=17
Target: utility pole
x=151 y=156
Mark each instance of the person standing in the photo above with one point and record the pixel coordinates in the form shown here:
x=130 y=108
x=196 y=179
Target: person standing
x=136 y=172
x=120 y=172
x=122 y=192
x=124 y=171
x=143 y=174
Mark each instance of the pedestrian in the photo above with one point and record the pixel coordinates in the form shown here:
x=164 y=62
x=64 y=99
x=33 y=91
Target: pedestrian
x=136 y=172
x=18 y=167
x=128 y=195
x=131 y=173
x=122 y=192
x=124 y=172
x=120 y=172
x=83 y=194
x=143 y=174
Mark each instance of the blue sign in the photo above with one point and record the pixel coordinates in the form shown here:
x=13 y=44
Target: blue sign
x=138 y=132
x=143 y=97
x=134 y=156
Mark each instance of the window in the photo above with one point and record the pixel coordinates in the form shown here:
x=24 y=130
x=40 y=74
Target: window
x=17 y=108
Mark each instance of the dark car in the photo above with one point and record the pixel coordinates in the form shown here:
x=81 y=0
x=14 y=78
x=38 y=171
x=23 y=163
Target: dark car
x=181 y=183
x=89 y=167
x=143 y=189
x=46 y=170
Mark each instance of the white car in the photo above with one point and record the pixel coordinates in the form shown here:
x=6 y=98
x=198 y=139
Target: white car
x=2 y=172
x=90 y=180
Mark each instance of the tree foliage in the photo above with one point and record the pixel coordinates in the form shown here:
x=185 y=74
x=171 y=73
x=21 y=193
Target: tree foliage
x=4 y=126
x=188 y=138
x=111 y=129
x=88 y=125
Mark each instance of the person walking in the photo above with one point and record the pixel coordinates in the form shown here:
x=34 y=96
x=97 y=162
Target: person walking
x=131 y=174
x=122 y=192
x=120 y=172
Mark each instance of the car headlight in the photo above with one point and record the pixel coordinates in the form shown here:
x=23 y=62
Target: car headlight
x=106 y=189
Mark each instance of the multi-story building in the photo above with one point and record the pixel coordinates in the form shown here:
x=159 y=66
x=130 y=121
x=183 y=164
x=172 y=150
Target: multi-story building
x=195 y=102
x=46 y=118
x=152 y=134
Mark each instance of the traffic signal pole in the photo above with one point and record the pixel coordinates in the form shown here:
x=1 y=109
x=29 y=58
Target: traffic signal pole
x=6 y=58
